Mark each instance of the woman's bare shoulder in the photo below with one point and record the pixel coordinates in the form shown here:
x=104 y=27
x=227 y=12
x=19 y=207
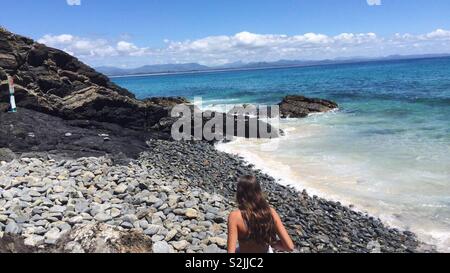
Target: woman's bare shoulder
x=274 y=213
x=235 y=214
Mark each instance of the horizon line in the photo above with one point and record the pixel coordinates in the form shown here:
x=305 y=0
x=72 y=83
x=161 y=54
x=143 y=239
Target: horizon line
x=213 y=69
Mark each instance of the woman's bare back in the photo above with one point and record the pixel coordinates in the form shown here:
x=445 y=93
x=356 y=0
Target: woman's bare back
x=238 y=232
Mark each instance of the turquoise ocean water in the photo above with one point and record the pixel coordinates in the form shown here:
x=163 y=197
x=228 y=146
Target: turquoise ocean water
x=386 y=151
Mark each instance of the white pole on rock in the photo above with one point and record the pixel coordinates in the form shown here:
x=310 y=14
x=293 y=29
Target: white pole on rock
x=11 y=94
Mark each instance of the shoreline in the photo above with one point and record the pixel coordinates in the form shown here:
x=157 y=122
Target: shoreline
x=287 y=181
x=230 y=166
x=75 y=170
x=188 y=172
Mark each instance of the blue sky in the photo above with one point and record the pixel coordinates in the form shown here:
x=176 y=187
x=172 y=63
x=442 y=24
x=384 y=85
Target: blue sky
x=135 y=32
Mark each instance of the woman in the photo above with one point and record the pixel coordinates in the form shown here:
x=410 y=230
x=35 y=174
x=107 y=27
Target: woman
x=255 y=225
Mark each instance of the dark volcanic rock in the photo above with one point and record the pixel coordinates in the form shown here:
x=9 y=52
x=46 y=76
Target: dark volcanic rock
x=31 y=131
x=300 y=106
x=53 y=82
x=3 y=76
x=220 y=131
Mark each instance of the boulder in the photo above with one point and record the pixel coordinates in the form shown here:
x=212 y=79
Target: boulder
x=7 y=155
x=102 y=238
x=162 y=247
x=15 y=244
x=300 y=106
x=205 y=120
x=8 y=61
x=90 y=238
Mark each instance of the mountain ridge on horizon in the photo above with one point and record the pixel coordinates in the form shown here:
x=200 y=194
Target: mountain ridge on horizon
x=113 y=71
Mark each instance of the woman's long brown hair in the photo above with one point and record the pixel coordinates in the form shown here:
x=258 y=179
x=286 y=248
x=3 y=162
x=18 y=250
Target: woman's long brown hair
x=255 y=211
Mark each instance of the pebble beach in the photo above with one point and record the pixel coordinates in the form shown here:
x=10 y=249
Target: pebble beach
x=176 y=196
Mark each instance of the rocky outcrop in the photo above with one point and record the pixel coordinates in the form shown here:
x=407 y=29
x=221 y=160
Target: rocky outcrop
x=300 y=106
x=205 y=120
x=28 y=131
x=53 y=82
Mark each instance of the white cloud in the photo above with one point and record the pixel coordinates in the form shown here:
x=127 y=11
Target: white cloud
x=85 y=48
x=374 y=2
x=438 y=34
x=249 y=47
x=60 y=39
x=73 y=2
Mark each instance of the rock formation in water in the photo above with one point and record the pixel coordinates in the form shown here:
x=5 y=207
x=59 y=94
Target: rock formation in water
x=300 y=106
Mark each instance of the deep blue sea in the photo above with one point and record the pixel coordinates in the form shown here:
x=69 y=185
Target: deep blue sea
x=386 y=151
